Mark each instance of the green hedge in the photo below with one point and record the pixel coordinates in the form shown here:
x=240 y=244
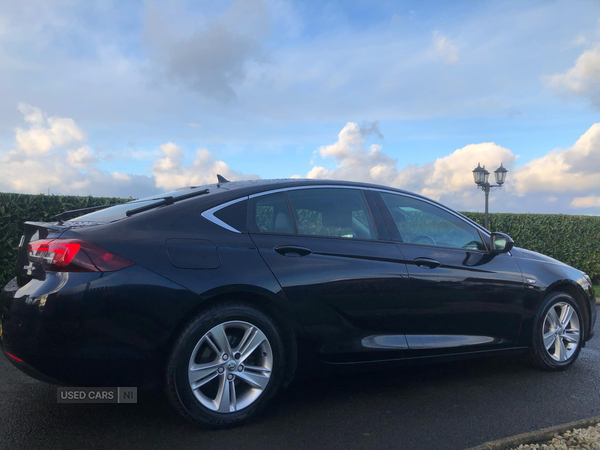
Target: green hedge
x=574 y=240
x=18 y=208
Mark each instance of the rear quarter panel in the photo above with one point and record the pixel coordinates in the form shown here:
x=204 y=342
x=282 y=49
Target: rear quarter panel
x=236 y=269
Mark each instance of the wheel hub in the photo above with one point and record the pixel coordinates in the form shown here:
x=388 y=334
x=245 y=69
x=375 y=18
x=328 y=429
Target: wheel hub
x=230 y=366
x=561 y=332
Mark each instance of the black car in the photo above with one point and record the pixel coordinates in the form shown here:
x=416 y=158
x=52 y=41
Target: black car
x=222 y=293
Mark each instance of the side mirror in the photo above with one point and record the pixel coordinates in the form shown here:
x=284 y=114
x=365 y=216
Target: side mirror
x=501 y=243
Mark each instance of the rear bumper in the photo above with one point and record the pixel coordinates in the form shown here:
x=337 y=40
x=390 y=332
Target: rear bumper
x=90 y=329
x=29 y=370
x=50 y=338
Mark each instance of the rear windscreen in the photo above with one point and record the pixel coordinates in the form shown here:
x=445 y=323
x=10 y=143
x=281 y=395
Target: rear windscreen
x=118 y=212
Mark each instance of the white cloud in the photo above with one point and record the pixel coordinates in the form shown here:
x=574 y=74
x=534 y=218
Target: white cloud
x=43 y=160
x=445 y=48
x=121 y=176
x=592 y=201
x=575 y=169
x=357 y=160
x=579 y=40
x=81 y=157
x=43 y=134
x=449 y=179
x=582 y=80
x=170 y=171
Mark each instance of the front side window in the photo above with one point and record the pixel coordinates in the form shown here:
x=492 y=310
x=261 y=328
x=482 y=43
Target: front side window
x=332 y=212
x=270 y=214
x=419 y=222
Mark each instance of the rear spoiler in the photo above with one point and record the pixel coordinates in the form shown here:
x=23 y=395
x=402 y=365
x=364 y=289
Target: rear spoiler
x=54 y=226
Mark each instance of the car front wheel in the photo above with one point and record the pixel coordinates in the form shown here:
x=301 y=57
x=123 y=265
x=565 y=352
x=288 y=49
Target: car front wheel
x=225 y=365
x=558 y=332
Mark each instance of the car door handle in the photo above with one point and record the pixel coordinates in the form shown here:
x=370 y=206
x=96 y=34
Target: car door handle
x=427 y=263
x=293 y=251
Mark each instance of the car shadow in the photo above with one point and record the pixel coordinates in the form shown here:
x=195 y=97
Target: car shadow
x=369 y=400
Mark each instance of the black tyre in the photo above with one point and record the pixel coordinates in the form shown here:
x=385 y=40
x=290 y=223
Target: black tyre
x=558 y=332
x=225 y=366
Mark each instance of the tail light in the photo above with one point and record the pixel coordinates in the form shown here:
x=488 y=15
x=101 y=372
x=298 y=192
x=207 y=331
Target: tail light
x=73 y=255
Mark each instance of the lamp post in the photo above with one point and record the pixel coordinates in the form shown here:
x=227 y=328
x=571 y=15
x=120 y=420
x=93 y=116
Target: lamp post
x=480 y=175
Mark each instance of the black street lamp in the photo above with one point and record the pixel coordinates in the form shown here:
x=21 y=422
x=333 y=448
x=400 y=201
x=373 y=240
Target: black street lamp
x=480 y=175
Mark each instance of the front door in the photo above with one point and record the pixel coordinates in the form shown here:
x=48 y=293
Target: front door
x=344 y=283
x=463 y=297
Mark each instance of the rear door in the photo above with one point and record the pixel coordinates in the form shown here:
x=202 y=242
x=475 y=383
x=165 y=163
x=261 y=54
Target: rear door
x=462 y=297
x=345 y=284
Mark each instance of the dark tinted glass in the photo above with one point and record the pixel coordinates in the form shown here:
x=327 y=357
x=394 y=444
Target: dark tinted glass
x=234 y=215
x=119 y=211
x=113 y=213
x=332 y=212
x=420 y=222
x=270 y=214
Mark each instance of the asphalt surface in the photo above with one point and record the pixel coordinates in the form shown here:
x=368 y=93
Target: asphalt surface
x=443 y=406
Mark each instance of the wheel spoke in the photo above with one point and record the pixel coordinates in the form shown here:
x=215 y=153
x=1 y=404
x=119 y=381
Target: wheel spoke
x=562 y=350
x=566 y=315
x=212 y=343
x=572 y=336
x=258 y=369
x=218 y=334
x=232 y=396
x=255 y=380
x=247 y=335
x=200 y=374
x=223 y=400
x=252 y=342
x=554 y=320
x=549 y=339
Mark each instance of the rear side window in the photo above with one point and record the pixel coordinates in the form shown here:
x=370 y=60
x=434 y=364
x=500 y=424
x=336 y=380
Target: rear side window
x=270 y=214
x=332 y=212
x=118 y=212
x=234 y=215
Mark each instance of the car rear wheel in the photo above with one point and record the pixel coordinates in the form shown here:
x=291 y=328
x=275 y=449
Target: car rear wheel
x=558 y=332
x=225 y=365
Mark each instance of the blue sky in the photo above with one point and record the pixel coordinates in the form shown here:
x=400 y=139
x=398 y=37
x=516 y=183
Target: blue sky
x=149 y=95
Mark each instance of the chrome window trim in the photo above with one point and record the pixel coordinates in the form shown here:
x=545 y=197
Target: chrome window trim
x=209 y=214
x=474 y=225
x=316 y=186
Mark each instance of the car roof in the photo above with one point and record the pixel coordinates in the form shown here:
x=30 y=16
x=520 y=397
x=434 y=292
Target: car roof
x=248 y=187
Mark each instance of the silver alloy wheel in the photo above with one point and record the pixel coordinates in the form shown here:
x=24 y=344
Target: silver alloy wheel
x=230 y=366
x=561 y=331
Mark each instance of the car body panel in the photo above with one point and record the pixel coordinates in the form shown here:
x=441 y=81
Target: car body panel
x=344 y=293
x=347 y=302
x=101 y=327
x=473 y=301
x=543 y=274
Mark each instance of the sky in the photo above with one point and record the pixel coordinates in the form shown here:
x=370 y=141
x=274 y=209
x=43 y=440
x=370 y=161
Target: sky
x=130 y=99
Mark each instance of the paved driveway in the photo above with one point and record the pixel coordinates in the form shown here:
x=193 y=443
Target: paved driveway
x=449 y=406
